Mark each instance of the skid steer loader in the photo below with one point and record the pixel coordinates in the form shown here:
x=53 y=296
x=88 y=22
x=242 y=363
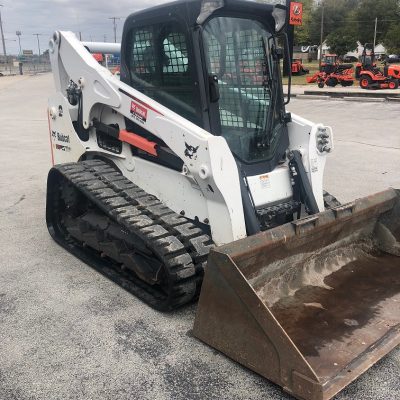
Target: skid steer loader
x=189 y=165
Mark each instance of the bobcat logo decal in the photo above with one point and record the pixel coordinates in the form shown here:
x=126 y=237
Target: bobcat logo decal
x=191 y=152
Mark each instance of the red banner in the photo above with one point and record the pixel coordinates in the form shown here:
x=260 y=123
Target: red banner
x=296 y=13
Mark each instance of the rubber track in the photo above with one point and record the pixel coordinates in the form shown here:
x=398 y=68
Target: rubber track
x=174 y=241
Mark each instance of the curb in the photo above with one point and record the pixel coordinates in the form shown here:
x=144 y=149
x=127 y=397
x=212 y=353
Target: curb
x=313 y=97
x=365 y=99
x=345 y=96
x=344 y=93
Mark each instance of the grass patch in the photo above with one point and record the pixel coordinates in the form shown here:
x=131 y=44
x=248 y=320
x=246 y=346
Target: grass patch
x=301 y=79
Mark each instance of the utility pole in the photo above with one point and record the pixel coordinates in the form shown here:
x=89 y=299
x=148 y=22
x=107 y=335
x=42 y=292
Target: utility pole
x=19 y=33
x=38 y=42
x=114 y=19
x=322 y=33
x=376 y=25
x=287 y=66
x=2 y=35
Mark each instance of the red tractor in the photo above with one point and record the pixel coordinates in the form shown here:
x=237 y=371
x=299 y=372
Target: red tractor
x=371 y=77
x=332 y=73
x=392 y=70
x=328 y=63
x=98 y=57
x=359 y=65
x=298 y=67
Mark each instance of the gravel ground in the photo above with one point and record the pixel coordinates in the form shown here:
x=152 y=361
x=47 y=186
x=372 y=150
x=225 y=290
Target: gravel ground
x=68 y=333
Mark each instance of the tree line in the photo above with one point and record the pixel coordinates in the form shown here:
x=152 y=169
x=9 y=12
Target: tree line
x=349 y=21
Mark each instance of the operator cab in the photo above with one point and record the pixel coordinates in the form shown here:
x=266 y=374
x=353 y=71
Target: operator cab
x=217 y=64
x=329 y=59
x=329 y=62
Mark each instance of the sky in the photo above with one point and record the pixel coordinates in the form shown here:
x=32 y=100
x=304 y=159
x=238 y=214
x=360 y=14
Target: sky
x=46 y=16
x=90 y=17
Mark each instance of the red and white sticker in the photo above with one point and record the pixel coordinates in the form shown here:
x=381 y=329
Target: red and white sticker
x=139 y=112
x=296 y=13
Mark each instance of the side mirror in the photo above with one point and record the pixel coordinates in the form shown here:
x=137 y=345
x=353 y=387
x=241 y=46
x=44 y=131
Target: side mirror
x=280 y=15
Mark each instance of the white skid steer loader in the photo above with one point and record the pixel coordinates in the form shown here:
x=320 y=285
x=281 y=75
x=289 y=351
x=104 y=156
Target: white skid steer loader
x=188 y=166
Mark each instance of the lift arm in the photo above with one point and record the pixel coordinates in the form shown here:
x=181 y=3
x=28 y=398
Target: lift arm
x=211 y=164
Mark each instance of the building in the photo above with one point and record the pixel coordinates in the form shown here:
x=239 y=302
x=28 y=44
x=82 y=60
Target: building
x=305 y=53
x=379 y=50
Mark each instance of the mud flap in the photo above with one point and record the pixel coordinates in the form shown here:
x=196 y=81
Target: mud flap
x=312 y=304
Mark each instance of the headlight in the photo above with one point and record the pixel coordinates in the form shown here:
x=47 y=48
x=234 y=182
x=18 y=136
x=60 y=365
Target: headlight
x=324 y=139
x=279 y=15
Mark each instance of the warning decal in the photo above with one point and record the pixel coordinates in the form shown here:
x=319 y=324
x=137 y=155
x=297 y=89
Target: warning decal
x=265 y=181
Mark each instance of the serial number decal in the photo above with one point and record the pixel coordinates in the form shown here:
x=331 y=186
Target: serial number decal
x=138 y=112
x=314 y=165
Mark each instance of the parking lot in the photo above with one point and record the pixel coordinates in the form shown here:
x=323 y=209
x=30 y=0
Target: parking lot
x=66 y=332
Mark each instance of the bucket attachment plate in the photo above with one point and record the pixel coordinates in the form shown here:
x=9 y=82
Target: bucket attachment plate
x=312 y=304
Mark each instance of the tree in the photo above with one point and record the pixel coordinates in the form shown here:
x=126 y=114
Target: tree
x=392 y=39
x=335 y=14
x=341 y=41
x=368 y=10
x=302 y=33
x=344 y=37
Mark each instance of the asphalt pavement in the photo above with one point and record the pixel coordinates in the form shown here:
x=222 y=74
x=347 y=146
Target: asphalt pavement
x=66 y=332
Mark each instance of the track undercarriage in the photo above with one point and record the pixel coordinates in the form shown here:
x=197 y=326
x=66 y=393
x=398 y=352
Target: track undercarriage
x=128 y=235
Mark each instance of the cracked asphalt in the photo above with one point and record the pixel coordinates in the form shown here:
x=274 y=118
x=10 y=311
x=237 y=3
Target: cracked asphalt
x=66 y=332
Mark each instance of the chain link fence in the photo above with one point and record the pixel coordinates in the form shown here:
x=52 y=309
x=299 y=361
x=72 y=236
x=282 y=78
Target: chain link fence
x=13 y=66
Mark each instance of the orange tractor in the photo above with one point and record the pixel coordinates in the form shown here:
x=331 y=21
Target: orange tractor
x=371 y=77
x=392 y=70
x=332 y=73
x=298 y=67
x=328 y=62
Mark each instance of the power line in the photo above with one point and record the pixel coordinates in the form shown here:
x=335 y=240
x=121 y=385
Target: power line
x=371 y=20
x=365 y=20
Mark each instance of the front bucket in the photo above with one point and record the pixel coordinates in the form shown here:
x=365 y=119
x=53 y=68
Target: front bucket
x=312 y=304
